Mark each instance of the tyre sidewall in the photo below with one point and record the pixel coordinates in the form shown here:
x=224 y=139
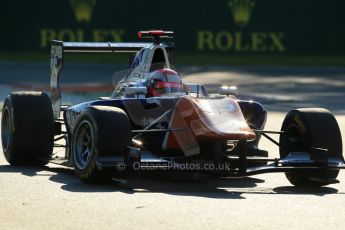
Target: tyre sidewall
x=87 y=172
x=31 y=128
x=9 y=152
x=313 y=135
x=111 y=136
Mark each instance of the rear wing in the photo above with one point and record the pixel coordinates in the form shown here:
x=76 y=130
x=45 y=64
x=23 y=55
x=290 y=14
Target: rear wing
x=58 y=48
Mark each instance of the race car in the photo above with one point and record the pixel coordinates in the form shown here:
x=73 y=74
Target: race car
x=155 y=121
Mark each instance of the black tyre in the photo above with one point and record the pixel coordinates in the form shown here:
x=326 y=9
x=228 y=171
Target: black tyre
x=311 y=128
x=27 y=128
x=100 y=131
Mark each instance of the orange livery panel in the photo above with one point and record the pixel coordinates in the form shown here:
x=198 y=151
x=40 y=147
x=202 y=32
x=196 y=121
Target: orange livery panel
x=201 y=119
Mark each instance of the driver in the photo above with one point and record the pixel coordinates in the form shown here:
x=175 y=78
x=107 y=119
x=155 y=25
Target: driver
x=163 y=81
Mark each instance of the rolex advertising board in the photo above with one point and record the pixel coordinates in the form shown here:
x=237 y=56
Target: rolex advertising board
x=227 y=26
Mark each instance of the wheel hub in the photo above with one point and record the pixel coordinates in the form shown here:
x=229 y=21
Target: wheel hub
x=84 y=145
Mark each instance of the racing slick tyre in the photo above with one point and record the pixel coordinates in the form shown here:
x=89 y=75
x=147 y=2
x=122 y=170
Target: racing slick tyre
x=27 y=128
x=100 y=131
x=305 y=129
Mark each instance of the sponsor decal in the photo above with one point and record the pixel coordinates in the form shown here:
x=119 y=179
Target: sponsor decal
x=240 y=40
x=241 y=11
x=83 y=11
x=80 y=35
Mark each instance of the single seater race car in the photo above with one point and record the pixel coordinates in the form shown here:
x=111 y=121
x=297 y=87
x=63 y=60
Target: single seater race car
x=155 y=121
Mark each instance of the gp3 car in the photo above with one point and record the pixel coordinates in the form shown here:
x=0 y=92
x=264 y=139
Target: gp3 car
x=153 y=120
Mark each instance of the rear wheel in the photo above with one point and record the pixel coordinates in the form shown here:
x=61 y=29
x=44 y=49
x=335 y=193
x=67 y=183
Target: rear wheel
x=100 y=131
x=305 y=129
x=27 y=128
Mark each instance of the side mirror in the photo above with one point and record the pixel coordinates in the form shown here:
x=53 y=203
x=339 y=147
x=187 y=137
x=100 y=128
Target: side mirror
x=136 y=92
x=228 y=90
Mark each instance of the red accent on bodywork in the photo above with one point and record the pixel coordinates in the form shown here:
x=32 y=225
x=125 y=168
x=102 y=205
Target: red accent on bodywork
x=155 y=33
x=152 y=33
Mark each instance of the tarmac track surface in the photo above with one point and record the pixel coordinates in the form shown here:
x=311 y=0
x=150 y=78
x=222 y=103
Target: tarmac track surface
x=52 y=197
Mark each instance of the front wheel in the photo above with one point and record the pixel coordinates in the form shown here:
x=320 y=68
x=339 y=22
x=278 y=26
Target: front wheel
x=305 y=129
x=100 y=131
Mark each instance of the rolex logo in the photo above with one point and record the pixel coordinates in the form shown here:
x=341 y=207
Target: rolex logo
x=241 y=11
x=83 y=9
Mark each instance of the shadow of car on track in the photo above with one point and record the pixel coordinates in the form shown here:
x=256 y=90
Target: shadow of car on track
x=215 y=188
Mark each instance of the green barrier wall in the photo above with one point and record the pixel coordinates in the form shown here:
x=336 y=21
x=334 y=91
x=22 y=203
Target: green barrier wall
x=228 y=26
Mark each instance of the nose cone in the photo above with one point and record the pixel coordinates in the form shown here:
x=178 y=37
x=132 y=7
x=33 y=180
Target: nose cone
x=212 y=118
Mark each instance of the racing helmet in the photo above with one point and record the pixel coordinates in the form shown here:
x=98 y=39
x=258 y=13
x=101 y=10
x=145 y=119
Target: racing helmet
x=163 y=81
